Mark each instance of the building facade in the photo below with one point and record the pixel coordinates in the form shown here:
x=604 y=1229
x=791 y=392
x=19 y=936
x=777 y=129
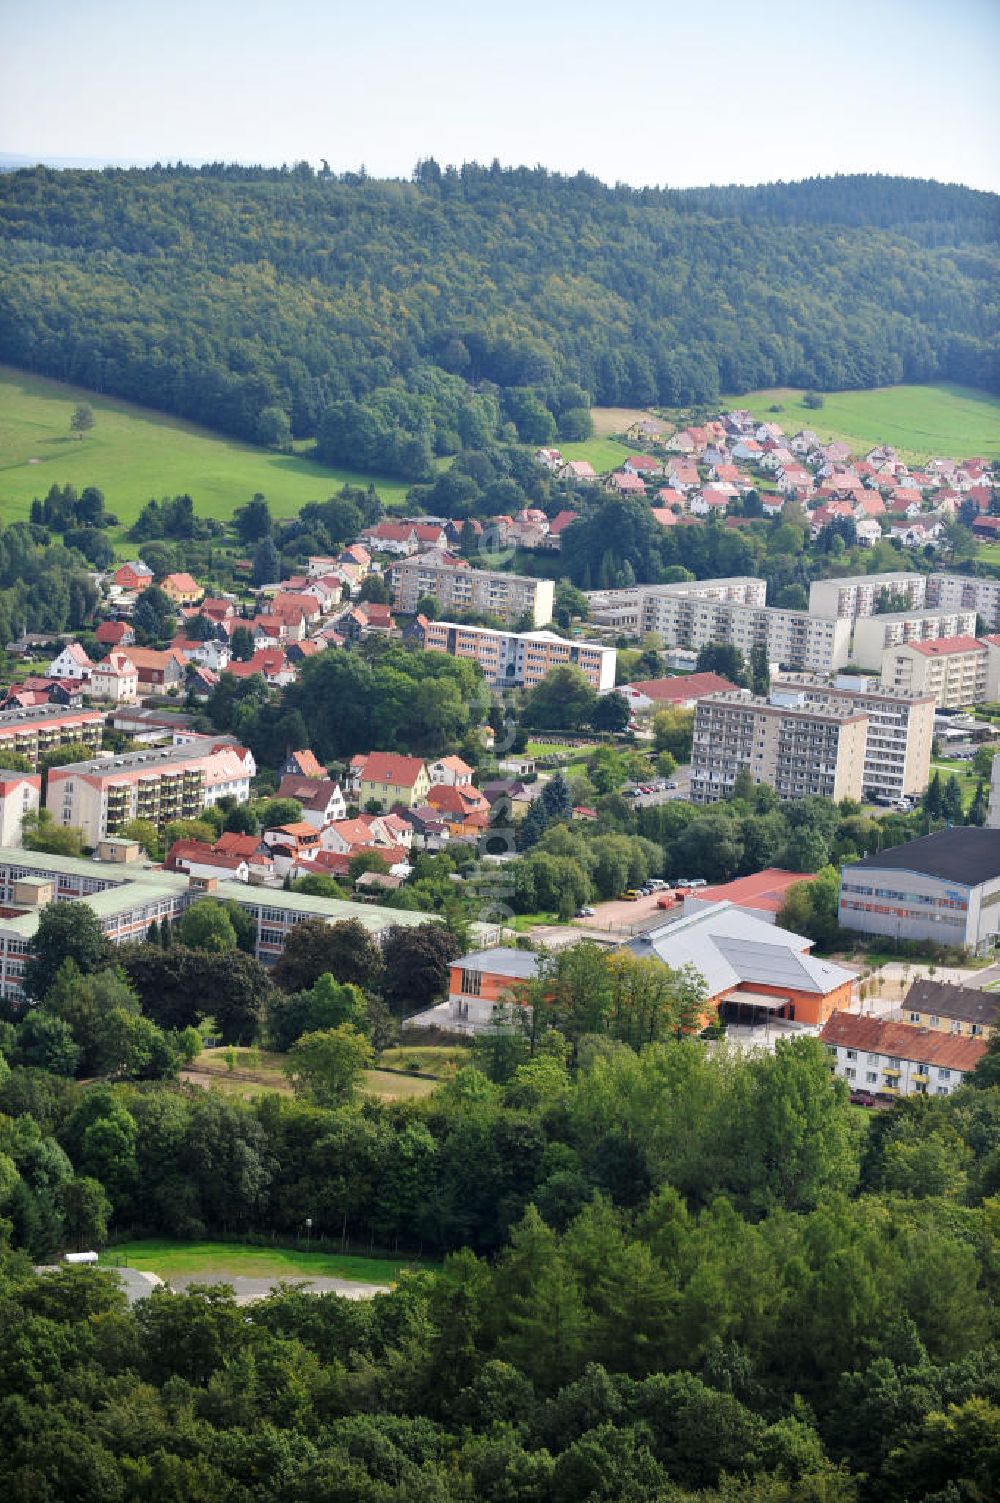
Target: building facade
x=875 y=635
x=799 y=750
x=521 y=660
x=128 y=898
x=952 y=670
x=733 y=611
x=863 y=595
x=900 y=730
x=29 y=733
x=161 y=784
x=20 y=793
x=460 y=588
x=898 y=1059
x=943 y=887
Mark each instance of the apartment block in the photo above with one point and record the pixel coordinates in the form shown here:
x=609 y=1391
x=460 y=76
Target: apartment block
x=798 y=749
x=521 y=660
x=461 y=588
x=164 y=783
x=874 y=635
x=952 y=670
x=128 y=898
x=20 y=793
x=860 y=594
x=695 y=613
x=900 y=729
x=897 y=1059
x=29 y=733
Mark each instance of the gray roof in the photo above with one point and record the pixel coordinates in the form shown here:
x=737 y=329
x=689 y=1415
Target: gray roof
x=967 y=1004
x=519 y=964
x=727 y=946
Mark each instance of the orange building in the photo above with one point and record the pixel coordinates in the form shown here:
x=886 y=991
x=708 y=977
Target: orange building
x=484 y=978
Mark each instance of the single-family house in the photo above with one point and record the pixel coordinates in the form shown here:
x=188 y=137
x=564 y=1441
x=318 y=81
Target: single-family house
x=71 y=662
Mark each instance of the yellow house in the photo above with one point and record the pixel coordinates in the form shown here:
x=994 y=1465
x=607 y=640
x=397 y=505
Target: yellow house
x=387 y=779
x=182 y=589
x=946 y=1008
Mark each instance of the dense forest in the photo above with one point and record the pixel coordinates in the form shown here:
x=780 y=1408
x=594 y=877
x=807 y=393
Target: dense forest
x=395 y=321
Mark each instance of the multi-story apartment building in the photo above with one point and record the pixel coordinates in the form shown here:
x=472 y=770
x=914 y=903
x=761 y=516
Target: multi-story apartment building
x=128 y=898
x=798 y=749
x=161 y=784
x=29 y=733
x=20 y=793
x=860 y=594
x=993 y=816
x=874 y=635
x=965 y=1010
x=521 y=659
x=732 y=611
x=943 y=887
x=897 y=1059
x=461 y=588
x=953 y=670
x=900 y=730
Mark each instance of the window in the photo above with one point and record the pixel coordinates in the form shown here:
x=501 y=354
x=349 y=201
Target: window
x=914 y=1017
x=944 y=1075
x=851 y=1053
x=872 y=1077
x=472 y=982
x=851 y=1074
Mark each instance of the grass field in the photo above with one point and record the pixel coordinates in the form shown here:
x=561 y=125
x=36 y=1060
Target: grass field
x=250 y=1079
x=603 y=453
x=434 y=1059
x=968 y=780
x=919 y=421
x=133 y=453
x=233 y=1259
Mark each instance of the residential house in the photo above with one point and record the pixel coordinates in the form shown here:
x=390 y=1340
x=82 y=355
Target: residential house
x=450 y=770
x=683 y=691
x=644 y=466
x=964 y=1010
x=198 y=859
x=115 y=679
x=626 y=483
x=182 y=589
x=581 y=471
x=302 y=764
x=387 y=779
x=322 y=799
x=115 y=634
x=133 y=576
x=163 y=671
x=71 y=662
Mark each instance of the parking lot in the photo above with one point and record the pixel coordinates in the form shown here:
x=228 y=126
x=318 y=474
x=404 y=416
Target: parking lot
x=623 y=915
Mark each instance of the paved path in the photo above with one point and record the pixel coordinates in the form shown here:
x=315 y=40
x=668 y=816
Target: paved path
x=247 y=1290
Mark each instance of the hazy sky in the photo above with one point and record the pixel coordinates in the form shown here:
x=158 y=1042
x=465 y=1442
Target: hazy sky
x=645 y=91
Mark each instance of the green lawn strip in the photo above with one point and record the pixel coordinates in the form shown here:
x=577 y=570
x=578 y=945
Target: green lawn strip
x=394 y=1086
x=919 y=421
x=967 y=780
x=430 y=1059
x=235 y=1259
x=133 y=453
x=603 y=453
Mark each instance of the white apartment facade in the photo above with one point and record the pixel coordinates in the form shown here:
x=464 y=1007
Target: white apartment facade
x=874 y=635
x=900 y=734
x=164 y=783
x=461 y=588
x=859 y=594
x=798 y=749
x=898 y=1059
x=953 y=670
x=522 y=659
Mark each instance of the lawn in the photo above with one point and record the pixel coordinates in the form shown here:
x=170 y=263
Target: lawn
x=432 y=1059
x=235 y=1259
x=603 y=453
x=253 y=1079
x=968 y=781
x=133 y=453
x=988 y=553
x=919 y=421
x=608 y=420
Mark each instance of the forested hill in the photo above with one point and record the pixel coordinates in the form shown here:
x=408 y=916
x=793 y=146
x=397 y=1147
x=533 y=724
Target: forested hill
x=396 y=320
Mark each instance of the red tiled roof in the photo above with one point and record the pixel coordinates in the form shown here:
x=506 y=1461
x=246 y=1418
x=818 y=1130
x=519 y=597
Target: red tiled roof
x=390 y=767
x=684 y=686
x=946 y=647
x=764 y=890
x=926 y=1046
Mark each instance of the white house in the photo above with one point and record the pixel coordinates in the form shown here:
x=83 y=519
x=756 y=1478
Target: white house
x=72 y=662
x=116 y=679
x=899 y=1059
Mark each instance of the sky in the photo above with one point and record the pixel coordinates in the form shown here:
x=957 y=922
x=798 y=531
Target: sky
x=643 y=91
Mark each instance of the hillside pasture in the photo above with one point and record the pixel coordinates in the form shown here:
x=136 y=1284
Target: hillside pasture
x=954 y=422
x=133 y=453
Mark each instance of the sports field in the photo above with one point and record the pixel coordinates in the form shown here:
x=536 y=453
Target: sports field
x=133 y=453
x=955 y=422
x=170 y=1260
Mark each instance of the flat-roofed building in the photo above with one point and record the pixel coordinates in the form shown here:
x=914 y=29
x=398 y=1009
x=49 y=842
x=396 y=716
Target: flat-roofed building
x=953 y=670
x=461 y=588
x=20 y=793
x=900 y=730
x=484 y=980
x=857 y=595
x=41 y=728
x=128 y=898
x=696 y=613
x=874 y=635
x=521 y=659
x=161 y=784
x=799 y=749
x=897 y=1059
x=943 y=887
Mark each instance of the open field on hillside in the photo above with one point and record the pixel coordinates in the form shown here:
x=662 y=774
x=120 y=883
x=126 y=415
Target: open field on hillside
x=919 y=421
x=133 y=453
x=254 y=1076
x=608 y=420
x=173 y=1260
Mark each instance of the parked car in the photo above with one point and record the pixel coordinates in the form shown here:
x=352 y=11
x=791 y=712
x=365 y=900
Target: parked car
x=671 y=783
x=585 y=912
x=632 y=896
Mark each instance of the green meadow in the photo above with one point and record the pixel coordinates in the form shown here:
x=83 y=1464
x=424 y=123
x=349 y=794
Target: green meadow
x=133 y=453
x=215 y=1260
x=955 y=422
